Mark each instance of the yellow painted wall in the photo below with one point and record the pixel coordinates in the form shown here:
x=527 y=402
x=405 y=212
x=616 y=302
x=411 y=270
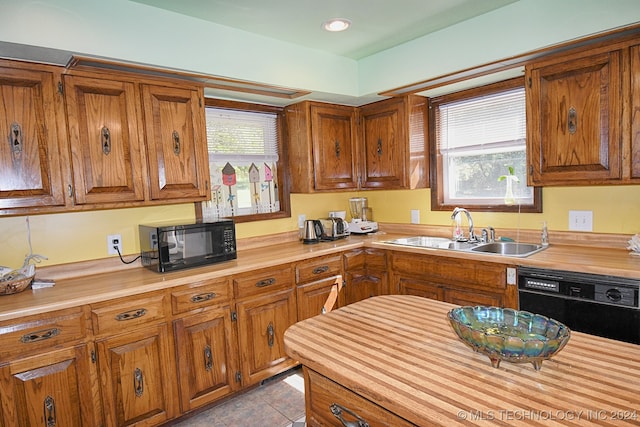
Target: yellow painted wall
x=73 y=237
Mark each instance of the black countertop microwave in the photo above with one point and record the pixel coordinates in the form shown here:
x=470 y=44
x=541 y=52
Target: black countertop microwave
x=170 y=246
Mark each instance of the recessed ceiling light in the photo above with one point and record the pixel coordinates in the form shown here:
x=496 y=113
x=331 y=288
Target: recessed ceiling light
x=337 y=24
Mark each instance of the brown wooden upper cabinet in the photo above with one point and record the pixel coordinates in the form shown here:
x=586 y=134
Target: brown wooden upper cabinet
x=575 y=118
x=81 y=140
x=103 y=117
x=176 y=142
x=336 y=147
x=33 y=135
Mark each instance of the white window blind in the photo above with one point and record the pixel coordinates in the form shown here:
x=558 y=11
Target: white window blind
x=478 y=139
x=243 y=159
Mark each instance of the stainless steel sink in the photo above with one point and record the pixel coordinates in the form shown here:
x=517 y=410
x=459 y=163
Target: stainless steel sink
x=423 y=242
x=509 y=248
x=513 y=249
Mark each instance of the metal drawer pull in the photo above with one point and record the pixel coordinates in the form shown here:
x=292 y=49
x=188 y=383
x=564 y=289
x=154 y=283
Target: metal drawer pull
x=138 y=382
x=270 y=335
x=49 y=411
x=266 y=282
x=131 y=314
x=203 y=297
x=572 y=121
x=337 y=411
x=208 y=358
x=44 y=334
x=320 y=270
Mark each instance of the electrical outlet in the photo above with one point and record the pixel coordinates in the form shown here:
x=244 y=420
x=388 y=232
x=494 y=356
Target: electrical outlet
x=581 y=220
x=114 y=240
x=301 y=219
x=511 y=276
x=415 y=216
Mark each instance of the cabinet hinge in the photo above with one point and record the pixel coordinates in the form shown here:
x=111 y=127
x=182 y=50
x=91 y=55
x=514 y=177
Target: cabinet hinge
x=530 y=169
x=60 y=88
x=344 y=283
x=238 y=376
x=200 y=100
x=93 y=356
x=234 y=316
x=529 y=82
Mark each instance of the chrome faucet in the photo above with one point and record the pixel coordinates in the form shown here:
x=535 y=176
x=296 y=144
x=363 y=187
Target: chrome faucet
x=456 y=211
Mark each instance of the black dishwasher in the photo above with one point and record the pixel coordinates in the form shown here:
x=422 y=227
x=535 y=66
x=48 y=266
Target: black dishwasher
x=601 y=305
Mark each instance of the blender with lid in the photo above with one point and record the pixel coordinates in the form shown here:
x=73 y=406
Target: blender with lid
x=361 y=217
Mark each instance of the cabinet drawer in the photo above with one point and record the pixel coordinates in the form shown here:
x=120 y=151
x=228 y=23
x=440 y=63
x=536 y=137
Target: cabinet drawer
x=323 y=394
x=318 y=268
x=122 y=314
x=200 y=295
x=263 y=281
x=40 y=332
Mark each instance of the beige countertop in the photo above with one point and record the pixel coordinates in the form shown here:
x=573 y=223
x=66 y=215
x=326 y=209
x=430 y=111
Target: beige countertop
x=87 y=289
x=400 y=352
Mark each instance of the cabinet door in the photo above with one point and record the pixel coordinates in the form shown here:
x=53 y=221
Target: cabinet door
x=207 y=357
x=32 y=131
x=262 y=322
x=176 y=143
x=333 y=135
x=362 y=284
x=313 y=296
x=137 y=374
x=635 y=112
x=574 y=113
x=383 y=145
x=103 y=117
x=421 y=288
x=56 y=388
x=472 y=298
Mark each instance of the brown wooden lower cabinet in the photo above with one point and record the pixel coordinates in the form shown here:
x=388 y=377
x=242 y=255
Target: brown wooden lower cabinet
x=458 y=281
x=330 y=404
x=206 y=352
x=137 y=375
x=366 y=274
x=57 y=388
x=262 y=322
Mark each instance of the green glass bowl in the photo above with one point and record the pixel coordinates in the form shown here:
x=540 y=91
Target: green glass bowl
x=507 y=334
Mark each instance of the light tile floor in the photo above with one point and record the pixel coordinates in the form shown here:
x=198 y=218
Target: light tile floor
x=278 y=402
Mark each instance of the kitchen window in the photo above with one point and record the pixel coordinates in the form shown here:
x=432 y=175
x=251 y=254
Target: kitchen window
x=245 y=162
x=479 y=155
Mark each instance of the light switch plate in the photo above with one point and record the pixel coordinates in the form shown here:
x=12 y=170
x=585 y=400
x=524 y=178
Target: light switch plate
x=415 y=216
x=581 y=220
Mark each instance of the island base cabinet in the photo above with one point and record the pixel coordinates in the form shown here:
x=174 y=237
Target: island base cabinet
x=137 y=377
x=58 y=388
x=206 y=352
x=330 y=404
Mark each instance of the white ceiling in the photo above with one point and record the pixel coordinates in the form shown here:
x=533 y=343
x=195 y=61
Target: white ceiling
x=377 y=24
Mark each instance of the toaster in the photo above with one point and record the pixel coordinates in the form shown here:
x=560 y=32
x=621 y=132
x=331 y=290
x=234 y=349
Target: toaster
x=334 y=228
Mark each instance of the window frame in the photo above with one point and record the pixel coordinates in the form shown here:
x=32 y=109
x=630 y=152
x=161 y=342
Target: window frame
x=283 y=178
x=435 y=158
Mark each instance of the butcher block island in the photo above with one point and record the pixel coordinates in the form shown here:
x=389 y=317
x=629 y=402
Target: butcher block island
x=394 y=360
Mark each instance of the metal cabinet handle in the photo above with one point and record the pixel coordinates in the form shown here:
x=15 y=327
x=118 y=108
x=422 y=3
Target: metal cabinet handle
x=49 y=411
x=572 y=121
x=176 y=142
x=203 y=297
x=44 y=334
x=270 y=335
x=15 y=138
x=379 y=151
x=208 y=358
x=105 y=137
x=320 y=270
x=131 y=314
x=337 y=148
x=266 y=282
x=337 y=411
x=138 y=382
